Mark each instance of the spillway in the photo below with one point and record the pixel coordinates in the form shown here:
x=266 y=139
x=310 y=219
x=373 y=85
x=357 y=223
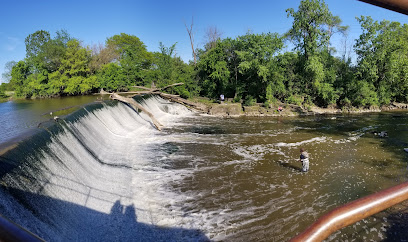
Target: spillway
x=96 y=175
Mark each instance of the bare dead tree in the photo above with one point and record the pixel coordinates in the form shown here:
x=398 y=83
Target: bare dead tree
x=191 y=35
x=334 y=26
x=101 y=55
x=346 y=47
x=212 y=34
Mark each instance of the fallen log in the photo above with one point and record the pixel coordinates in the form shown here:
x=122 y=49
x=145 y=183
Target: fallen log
x=157 y=91
x=137 y=107
x=175 y=98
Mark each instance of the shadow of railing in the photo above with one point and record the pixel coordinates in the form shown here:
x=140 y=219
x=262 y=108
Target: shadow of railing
x=66 y=221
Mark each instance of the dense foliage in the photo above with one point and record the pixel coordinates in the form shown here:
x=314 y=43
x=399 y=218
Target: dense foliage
x=249 y=68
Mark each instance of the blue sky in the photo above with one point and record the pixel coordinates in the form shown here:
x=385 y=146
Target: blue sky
x=154 y=21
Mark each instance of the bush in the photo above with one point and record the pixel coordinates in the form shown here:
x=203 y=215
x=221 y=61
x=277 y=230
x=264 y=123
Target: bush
x=345 y=103
x=295 y=99
x=249 y=101
x=2 y=94
x=237 y=99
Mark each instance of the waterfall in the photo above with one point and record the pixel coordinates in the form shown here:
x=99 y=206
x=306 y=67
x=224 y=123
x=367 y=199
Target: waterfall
x=97 y=174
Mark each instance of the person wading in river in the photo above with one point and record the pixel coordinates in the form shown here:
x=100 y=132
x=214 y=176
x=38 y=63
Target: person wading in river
x=304 y=158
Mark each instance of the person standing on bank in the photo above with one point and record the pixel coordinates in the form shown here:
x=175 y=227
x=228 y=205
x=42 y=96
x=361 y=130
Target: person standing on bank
x=222 y=98
x=304 y=158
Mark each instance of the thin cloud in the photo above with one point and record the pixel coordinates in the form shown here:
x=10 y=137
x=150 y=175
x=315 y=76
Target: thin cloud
x=12 y=43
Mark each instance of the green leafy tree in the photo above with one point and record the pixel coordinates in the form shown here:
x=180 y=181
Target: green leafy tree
x=169 y=69
x=312 y=27
x=256 y=60
x=382 y=60
x=308 y=32
x=134 y=57
x=19 y=74
x=3 y=88
x=111 y=78
x=44 y=54
x=73 y=76
x=213 y=70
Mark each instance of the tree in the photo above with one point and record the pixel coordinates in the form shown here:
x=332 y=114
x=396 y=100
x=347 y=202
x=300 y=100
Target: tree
x=134 y=58
x=212 y=35
x=19 y=74
x=8 y=67
x=168 y=69
x=334 y=26
x=111 y=78
x=73 y=76
x=312 y=28
x=256 y=60
x=102 y=55
x=382 y=59
x=308 y=32
x=44 y=53
x=191 y=36
x=213 y=69
x=35 y=48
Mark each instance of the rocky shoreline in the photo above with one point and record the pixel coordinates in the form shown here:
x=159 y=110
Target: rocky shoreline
x=237 y=110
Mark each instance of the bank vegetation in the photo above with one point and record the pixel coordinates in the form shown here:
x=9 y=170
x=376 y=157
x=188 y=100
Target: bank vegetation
x=248 y=69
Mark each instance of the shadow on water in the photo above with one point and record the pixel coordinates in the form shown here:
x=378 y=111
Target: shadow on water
x=66 y=221
x=291 y=166
x=398 y=228
x=57 y=220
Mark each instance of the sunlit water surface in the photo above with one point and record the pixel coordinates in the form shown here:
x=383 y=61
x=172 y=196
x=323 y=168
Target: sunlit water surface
x=246 y=182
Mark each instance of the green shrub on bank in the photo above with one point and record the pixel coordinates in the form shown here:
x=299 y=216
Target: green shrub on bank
x=249 y=101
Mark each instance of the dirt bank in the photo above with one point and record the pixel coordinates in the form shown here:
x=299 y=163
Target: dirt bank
x=236 y=109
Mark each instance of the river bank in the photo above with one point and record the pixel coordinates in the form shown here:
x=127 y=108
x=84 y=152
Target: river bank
x=226 y=109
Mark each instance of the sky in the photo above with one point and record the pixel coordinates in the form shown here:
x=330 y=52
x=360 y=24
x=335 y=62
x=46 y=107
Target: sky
x=154 y=21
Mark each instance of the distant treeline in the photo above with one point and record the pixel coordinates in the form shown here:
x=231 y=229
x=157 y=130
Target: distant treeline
x=252 y=67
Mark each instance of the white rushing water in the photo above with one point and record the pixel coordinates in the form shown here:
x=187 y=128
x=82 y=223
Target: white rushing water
x=102 y=171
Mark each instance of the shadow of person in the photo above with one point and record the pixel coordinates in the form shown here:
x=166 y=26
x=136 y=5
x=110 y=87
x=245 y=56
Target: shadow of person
x=127 y=228
x=130 y=214
x=291 y=166
x=117 y=209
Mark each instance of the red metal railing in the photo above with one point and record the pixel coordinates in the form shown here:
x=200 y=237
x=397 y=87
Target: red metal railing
x=400 y=6
x=353 y=212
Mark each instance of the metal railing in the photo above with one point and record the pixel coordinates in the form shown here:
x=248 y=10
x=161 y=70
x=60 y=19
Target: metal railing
x=400 y=6
x=353 y=212
x=10 y=231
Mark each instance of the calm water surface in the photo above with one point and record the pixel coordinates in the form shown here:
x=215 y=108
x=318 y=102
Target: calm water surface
x=17 y=116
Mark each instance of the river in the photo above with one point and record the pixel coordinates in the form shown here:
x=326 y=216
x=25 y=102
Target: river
x=18 y=116
x=104 y=172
